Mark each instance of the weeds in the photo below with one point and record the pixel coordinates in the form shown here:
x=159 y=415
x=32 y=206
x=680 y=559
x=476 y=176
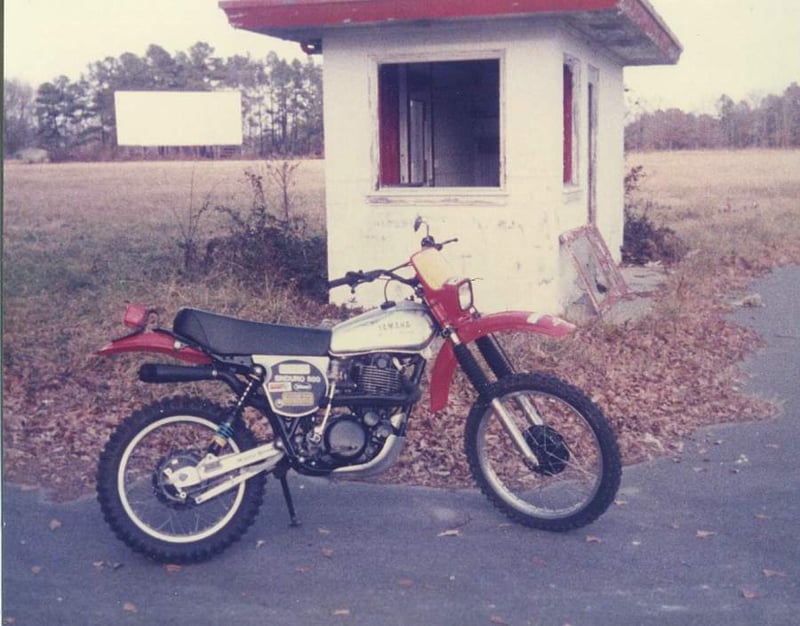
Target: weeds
x=643 y=241
x=189 y=228
x=266 y=252
x=260 y=250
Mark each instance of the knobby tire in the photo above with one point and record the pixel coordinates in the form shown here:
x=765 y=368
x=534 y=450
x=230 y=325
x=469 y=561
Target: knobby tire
x=583 y=441
x=196 y=413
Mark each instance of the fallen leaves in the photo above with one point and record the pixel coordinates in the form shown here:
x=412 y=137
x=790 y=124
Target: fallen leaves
x=130 y=607
x=641 y=378
x=55 y=524
x=705 y=534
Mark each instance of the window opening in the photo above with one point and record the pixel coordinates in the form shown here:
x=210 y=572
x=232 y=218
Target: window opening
x=570 y=117
x=439 y=124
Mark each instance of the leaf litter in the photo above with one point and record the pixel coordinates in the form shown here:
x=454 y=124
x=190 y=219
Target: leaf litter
x=58 y=413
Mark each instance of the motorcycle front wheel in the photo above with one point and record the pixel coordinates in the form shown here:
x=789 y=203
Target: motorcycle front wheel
x=140 y=505
x=578 y=467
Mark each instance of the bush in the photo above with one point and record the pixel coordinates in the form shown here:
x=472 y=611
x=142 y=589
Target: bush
x=643 y=242
x=264 y=251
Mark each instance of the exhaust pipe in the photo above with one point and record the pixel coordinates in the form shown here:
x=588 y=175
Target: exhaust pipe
x=165 y=373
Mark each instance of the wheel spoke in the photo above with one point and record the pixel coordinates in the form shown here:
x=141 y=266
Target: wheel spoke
x=572 y=483
x=155 y=508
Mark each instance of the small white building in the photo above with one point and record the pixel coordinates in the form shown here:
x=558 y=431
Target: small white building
x=500 y=121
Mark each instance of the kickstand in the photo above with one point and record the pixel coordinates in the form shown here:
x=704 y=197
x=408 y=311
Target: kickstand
x=287 y=495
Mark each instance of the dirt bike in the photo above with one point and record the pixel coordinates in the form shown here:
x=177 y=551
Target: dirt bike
x=183 y=478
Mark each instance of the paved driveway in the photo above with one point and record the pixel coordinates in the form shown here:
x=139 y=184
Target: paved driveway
x=712 y=539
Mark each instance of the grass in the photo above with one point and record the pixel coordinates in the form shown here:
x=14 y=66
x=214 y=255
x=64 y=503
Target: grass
x=81 y=239
x=738 y=205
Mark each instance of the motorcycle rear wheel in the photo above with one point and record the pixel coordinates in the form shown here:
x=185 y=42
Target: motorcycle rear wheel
x=144 y=511
x=579 y=468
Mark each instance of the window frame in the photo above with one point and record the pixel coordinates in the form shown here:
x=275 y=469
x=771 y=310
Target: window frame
x=572 y=97
x=382 y=192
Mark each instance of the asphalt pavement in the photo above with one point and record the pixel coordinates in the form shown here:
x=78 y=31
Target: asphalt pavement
x=711 y=538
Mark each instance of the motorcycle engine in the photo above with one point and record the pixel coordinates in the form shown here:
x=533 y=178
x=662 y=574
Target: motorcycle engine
x=345 y=438
x=377 y=374
x=357 y=434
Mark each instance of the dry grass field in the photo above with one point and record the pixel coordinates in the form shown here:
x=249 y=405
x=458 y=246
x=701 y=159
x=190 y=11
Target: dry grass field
x=81 y=239
x=727 y=204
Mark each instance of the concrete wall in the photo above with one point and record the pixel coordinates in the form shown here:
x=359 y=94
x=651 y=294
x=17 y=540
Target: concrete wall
x=508 y=235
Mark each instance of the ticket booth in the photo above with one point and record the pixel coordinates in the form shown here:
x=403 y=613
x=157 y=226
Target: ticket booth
x=500 y=122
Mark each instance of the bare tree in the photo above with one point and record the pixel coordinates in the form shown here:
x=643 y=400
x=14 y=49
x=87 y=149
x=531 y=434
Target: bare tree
x=19 y=119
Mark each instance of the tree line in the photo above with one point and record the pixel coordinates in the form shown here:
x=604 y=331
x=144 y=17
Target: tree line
x=75 y=119
x=772 y=122
x=282 y=108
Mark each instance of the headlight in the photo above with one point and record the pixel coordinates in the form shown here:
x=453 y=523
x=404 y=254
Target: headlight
x=465 y=295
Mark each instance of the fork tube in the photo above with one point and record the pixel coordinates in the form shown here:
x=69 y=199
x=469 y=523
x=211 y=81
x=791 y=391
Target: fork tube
x=501 y=365
x=510 y=426
x=469 y=364
x=495 y=356
x=481 y=382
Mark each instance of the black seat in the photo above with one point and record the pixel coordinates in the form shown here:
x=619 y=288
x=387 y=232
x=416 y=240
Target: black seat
x=229 y=335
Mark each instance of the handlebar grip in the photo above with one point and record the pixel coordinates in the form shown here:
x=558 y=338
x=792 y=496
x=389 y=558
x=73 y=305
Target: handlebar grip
x=338 y=282
x=350 y=279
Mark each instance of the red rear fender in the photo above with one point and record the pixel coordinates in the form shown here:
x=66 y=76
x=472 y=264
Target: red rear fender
x=507 y=321
x=159 y=343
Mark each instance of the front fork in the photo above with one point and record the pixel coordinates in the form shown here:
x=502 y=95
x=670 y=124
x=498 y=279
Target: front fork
x=501 y=366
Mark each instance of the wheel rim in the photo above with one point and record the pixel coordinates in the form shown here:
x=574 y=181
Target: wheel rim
x=152 y=510
x=571 y=461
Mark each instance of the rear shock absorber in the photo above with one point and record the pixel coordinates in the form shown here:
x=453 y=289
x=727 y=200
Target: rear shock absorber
x=255 y=377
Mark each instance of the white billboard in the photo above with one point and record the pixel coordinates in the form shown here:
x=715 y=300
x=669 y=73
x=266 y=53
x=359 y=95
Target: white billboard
x=178 y=118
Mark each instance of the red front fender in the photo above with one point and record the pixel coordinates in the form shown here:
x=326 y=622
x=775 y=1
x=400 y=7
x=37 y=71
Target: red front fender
x=522 y=321
x=160 y=343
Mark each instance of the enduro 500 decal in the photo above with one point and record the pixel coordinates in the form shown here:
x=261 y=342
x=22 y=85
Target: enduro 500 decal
x=294 y=386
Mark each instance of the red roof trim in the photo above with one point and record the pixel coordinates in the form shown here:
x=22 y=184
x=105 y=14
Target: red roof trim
x=306 y=19
x=292 y=14
x=650 y=23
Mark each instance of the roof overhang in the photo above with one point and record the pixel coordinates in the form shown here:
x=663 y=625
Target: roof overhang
x=630 y=29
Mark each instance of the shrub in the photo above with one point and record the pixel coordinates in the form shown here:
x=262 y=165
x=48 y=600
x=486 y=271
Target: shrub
x=264 y=251
x=644 y=242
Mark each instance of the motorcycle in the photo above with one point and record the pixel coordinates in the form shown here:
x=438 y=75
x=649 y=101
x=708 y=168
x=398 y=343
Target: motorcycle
x=183 y=478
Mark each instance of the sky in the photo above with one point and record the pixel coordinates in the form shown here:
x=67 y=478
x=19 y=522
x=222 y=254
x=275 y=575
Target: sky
x=742 y=48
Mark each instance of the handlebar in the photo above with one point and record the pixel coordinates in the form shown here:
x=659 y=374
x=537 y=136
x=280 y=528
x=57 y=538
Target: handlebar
x=353 y=279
